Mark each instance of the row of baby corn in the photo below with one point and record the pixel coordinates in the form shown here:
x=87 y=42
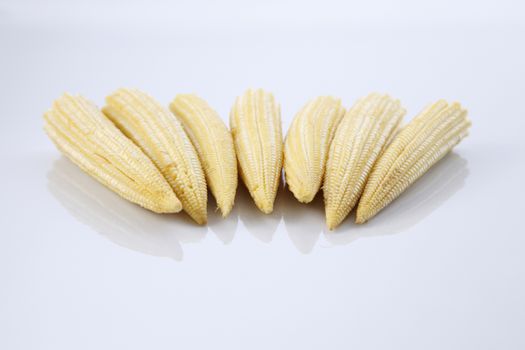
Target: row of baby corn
x=164 y=159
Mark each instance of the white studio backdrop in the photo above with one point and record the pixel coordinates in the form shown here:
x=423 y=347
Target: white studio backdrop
x=442 y=267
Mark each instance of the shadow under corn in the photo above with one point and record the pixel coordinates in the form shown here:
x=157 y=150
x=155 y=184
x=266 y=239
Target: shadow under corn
x=259 y=225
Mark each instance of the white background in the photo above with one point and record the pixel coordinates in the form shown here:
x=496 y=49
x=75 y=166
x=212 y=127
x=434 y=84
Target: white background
x=442 y=268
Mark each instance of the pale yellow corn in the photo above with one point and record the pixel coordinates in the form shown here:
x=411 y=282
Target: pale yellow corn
x=161 y=136
x=214 y=144
x=307 y=144
x=83 y=134
x=255 y=121
x=421 y=144
x=360 y=138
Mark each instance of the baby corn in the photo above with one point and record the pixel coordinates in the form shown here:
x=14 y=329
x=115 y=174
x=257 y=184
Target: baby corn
x=92 y=142
x=214 y=144
x=423 y=142
x=359 y=140
x=156 y=130
x=255 y=121
x=307 y=144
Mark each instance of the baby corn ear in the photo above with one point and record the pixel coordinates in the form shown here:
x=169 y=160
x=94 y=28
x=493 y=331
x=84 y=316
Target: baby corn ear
x=91 y=141
x=359 y=140
x=307 y=143
x=161 y=136
x=255 y=121
x=422 y=143
x=214 y=145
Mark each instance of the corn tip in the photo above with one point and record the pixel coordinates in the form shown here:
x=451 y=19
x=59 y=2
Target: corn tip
x=225 y=209
x=265 y=207
x=304 y=197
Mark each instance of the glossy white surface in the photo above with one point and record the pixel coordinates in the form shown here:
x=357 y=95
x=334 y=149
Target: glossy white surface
x=442 y=268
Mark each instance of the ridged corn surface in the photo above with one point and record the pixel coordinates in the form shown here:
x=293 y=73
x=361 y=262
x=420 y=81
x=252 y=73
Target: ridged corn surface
x=255 y=121
x=214 y=144
x=84 y=135
x=359 y=140
x=161 y=136
x=307 y=143
x=421 y=144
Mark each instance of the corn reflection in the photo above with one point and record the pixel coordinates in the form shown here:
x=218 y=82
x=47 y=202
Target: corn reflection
x=130 y=226
x=426 y=195
x=124 y=223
